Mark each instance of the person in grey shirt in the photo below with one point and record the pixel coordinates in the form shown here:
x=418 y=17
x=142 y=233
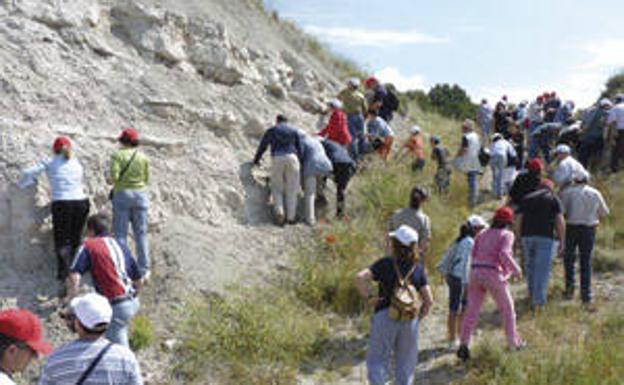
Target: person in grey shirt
x=414 y=218
x=89 y=317
x=583 y=207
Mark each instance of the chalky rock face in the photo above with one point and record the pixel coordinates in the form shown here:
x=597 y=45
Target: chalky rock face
x=201 y=81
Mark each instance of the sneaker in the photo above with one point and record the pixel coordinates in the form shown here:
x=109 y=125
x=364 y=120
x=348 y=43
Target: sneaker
x=146 y=277
x=280 y=219
x=463 y=353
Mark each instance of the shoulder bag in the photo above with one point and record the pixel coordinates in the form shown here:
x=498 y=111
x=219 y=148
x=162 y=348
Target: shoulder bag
x=97 y=359
x=404 y=302
x=121 y=174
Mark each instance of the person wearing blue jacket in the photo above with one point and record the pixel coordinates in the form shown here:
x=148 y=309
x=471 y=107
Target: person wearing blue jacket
x=316 y=164
x=343 y=169
x=286 y=152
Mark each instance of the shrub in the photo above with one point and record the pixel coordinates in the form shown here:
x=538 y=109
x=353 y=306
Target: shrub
x=141 y=332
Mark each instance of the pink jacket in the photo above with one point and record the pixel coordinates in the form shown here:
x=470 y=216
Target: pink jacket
x=493 y=247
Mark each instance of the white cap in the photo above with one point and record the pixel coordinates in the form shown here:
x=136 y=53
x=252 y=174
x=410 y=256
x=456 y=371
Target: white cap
x=563 y=149
x=405 y=234
x=354 y=82
x=335 y=103
x=477 y=221
x=604 y=102
x=92 y=310
x=415 y=129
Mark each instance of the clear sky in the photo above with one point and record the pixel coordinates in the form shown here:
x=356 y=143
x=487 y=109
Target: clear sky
x=490 y=48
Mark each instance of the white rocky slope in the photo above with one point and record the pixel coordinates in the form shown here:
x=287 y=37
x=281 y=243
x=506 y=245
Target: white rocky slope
x=200 y=79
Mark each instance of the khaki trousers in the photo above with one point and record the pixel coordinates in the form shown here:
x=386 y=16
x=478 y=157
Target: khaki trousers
x=285 y=184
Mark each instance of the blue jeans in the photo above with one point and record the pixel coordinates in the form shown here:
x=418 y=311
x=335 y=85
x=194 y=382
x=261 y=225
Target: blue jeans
x=538 y=256
x=473 y=188
x=123 y=312
x=390 y=338
x=498 y=164
x=356 y=129
x=131 y=207
x=533 y=142
x=583 y=238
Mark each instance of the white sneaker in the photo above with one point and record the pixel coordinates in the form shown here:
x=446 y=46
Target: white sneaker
x=146 y=277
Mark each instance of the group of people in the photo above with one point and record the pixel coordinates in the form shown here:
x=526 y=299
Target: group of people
x=100 y=319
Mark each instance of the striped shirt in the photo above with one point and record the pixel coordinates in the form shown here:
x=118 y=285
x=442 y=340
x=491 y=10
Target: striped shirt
x=67 y=364
x=111 y=264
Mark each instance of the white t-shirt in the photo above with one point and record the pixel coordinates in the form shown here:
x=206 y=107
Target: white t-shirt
x=567 y=168
x=471 y=157
x=5 y=380
x=501 y=147
x=616 y=115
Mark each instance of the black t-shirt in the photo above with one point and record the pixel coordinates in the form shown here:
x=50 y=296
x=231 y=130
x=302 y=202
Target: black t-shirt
x=539 y=210
x=384 y=274
x=524 y=183
x=440 y=154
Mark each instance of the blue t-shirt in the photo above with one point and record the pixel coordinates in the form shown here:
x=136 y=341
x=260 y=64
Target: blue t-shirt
x=384 y=274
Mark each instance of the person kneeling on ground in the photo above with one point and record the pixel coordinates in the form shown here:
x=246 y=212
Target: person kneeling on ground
x=21 y=341
x=115 y=275
x=394 y=327
x=455 y=267
x=492 y=265
x=91 y=359
x=380 y=135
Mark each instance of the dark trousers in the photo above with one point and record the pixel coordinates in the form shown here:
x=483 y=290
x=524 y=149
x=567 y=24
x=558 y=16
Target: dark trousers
x=618 y=151
x=342 y=175
x=68 y=221
x=583 y=238
x=589 y=149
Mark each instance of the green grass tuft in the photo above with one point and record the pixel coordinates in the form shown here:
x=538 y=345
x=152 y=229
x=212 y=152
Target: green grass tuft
x=141 y=332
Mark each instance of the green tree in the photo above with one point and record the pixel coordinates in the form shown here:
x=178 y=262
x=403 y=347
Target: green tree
x=614 y=85
x=451 y=101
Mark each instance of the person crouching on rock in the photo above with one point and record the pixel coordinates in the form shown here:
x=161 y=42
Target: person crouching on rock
x=115 y=275
x=70 y=206
x=91 y=359
x=492 y=265
x=403 y=300
x=129 y=175
x=286 y=153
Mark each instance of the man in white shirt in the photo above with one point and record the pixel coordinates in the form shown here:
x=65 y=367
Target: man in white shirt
x=21 y=341
x=467 y=159
x=583 y=207
x=616 y=120
x=567 y=167
x=501 y=153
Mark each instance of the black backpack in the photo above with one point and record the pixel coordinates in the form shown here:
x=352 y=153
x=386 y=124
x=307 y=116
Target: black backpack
x=484 y=156
x=391 y=101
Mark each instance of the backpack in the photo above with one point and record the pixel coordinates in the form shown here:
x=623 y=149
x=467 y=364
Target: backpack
x=404 y=301
x=391 y=101
x=484 y=156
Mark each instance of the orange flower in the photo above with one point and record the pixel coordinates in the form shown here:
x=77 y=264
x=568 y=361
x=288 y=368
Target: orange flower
x=330 y=239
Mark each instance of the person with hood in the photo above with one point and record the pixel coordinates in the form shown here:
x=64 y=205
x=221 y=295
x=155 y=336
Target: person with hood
x=286 y=152
x=467 y=160
x=455 y=268
x=70 y=205
x=394 y=326
x=130 y=175
x=315 y=165
x=484 y=117
x=355 y=106
x=21 y=342
x=491 y=267
x=337 y=129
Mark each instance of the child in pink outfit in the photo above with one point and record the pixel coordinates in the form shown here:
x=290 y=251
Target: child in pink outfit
x=492 y=265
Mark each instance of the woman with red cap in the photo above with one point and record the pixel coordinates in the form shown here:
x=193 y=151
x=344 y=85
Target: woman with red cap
x=70 y=206
x=492 y=265
x=129 y=175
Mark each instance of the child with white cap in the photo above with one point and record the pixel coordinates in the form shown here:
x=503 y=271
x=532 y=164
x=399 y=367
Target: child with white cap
x=455 y=267
x=394 y=327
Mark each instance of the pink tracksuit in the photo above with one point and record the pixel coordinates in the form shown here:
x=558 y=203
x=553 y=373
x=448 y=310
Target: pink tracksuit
x=492 y=265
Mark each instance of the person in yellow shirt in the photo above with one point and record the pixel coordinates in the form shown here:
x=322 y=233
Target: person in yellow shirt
x=355 y=107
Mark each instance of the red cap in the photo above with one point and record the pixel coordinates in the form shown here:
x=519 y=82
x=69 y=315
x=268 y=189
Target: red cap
x=370 y=82
x=545 y=182
x=553 y=94
x=62 y=142
x=130 y=134
x=540 y=98
x=504 y=214
x=535 y=165
x=25 y=327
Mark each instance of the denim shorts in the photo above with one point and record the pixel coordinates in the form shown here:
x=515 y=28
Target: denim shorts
x=457 y=294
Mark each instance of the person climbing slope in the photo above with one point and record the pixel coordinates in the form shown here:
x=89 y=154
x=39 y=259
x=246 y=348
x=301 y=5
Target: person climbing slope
x=70 y=205
x=337 y=129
